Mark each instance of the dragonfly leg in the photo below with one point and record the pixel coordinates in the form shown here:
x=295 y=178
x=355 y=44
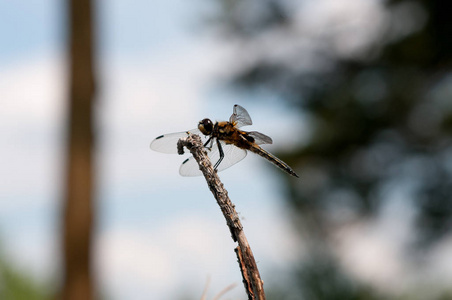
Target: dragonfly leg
x=220 y=149
x=208 y=141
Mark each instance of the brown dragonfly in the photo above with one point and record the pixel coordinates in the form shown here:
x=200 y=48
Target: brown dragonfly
x=225 y=143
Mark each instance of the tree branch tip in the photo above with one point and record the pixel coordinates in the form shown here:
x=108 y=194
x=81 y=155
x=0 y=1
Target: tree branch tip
x=250 y=273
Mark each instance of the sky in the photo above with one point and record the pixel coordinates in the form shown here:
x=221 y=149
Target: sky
x=158 y=72
x=155 y=229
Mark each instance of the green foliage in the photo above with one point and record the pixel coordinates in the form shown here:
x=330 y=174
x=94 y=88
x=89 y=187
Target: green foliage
x=18 y=286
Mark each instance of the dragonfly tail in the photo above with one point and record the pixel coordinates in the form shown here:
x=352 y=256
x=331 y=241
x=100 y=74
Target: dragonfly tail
x=273 y=159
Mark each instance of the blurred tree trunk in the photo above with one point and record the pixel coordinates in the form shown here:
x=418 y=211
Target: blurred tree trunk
x=78 y=205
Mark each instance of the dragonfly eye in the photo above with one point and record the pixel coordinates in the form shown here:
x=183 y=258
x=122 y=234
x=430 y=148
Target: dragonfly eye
x=205 y=126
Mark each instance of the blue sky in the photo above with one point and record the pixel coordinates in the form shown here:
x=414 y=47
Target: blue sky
x=159 y=72
x=30 y=28
x=156 y=75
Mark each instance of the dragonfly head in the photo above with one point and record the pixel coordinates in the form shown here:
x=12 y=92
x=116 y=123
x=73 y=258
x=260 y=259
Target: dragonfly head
x=205 y=126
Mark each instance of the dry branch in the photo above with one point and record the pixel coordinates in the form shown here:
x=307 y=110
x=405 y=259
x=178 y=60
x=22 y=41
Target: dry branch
x=251 y=278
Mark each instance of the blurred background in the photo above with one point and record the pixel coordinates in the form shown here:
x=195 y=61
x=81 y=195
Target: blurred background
x=357 y=96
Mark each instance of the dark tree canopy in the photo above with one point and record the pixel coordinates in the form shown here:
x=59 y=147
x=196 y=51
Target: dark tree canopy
x=380 y=106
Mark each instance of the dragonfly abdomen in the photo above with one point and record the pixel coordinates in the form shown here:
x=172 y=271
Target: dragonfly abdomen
x=273 y=159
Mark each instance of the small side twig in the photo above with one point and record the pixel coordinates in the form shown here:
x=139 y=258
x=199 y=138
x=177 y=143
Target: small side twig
x=251 y=277
x=224 y=291
x=220 y=294
x=206 y=288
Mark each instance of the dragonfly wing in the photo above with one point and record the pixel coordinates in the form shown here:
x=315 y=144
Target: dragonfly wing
x=240 y=117
x=167 y=143
x=260 y=138
x=189 y=168
x=232 y=155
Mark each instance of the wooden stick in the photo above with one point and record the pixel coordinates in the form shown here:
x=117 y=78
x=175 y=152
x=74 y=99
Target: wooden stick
x=251 y=277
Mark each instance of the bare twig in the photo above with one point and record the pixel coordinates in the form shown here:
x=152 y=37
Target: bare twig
x=220 y=294
x=224 y=291
x=251 y=277
x=206 y=288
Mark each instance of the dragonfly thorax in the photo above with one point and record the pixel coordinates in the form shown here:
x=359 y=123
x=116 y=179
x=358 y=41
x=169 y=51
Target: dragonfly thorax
x=206 y=126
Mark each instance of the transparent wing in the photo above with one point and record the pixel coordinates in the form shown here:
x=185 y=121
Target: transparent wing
x=232 y=155
x=240 y=117
x=260 y=138
x=167 y=143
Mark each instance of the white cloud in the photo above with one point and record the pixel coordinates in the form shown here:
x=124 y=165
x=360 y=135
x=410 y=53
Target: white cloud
x=32 y=91
x=32 y=95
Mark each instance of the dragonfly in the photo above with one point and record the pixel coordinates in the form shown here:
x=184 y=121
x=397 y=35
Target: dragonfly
x=225 y=143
